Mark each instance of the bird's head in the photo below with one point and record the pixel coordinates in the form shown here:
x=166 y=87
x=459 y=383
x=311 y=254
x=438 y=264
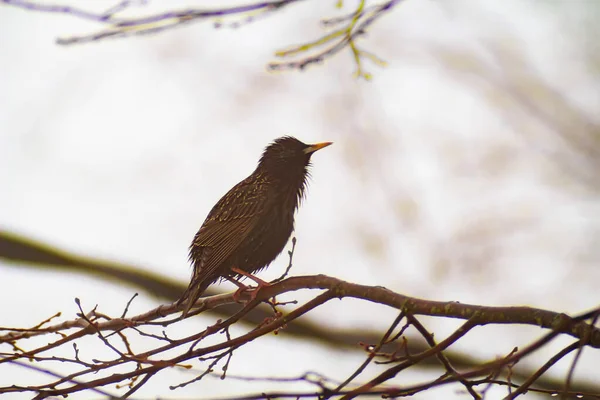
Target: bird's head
x=287 y=157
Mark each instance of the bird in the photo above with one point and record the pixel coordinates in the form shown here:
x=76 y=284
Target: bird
x=251 y=224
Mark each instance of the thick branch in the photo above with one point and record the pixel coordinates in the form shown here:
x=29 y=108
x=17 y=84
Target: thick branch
x=478 y=315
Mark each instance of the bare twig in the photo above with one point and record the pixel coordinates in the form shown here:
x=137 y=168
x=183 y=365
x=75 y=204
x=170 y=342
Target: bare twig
x=131 y=369
x=371 y=355
x=582 y=343
x=351 y=27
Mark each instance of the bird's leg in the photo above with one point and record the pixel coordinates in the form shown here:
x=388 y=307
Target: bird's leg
x=259 y=282
x=237 y=283
x=256 y=279
x=241 y=287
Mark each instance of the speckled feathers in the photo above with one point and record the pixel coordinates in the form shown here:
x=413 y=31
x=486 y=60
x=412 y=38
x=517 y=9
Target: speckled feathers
x=251 y=224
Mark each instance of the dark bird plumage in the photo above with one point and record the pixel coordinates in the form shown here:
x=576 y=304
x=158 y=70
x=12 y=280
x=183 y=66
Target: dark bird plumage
x=251 y=224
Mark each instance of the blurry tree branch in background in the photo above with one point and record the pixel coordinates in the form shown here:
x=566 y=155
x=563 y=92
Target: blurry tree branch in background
x=536 y=108
x=342 y=31
x=397 y=351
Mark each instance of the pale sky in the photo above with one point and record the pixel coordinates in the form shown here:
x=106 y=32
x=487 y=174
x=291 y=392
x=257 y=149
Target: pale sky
x=443 y=182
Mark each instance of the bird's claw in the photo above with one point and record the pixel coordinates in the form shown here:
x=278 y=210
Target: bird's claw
x=250 y=290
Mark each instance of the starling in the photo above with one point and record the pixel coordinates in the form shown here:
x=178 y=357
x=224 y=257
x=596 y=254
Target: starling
x=249 y=226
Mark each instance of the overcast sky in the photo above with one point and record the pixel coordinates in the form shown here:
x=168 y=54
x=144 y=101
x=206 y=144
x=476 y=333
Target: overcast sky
x=464 y=170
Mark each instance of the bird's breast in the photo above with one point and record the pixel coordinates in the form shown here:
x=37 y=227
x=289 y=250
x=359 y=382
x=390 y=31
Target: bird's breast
x=267 y=239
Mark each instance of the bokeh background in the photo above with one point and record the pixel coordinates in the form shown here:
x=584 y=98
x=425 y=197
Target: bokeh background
x=468 y=169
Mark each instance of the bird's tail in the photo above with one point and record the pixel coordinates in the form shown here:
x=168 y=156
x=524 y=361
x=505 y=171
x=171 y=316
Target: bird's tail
x=191 y=294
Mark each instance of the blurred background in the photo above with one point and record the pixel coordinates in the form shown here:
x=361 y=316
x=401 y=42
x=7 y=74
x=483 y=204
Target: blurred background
x=468 y=169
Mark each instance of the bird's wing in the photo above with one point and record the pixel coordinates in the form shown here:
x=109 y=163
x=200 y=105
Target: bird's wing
x=227 y=225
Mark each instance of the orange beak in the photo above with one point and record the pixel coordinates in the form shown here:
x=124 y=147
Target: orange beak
x=314 y=147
